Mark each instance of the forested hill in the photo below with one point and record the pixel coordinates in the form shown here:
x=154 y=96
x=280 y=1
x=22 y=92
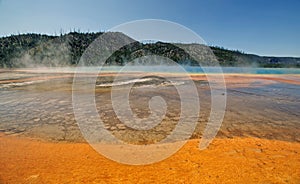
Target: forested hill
x=32 y=50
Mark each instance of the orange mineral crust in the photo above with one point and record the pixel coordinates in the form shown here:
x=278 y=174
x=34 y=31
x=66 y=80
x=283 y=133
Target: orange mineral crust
x=237 y=160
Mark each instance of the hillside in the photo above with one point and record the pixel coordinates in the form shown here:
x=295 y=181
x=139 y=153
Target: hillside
x=33 y=50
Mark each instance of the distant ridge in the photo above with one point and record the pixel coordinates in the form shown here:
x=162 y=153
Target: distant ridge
x=33 y=50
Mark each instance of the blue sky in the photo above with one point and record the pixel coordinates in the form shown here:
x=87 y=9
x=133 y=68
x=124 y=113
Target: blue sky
x=264 y=27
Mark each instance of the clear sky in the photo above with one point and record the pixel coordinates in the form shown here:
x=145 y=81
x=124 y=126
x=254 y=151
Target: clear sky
x=264 y=27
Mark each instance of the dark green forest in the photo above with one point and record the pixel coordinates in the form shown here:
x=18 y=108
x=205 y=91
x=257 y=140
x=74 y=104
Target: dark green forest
x=30 y=50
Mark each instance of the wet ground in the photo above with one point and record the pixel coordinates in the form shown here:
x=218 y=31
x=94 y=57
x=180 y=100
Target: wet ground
x=40 y=141
x=237 y=160
x=39 y=105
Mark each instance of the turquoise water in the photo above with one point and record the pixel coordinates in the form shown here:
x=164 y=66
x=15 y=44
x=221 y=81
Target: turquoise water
x=246 y=70
x=197 y=69
x=176 y=69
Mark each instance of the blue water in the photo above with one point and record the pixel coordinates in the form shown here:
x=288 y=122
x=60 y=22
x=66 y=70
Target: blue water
x=194 y=69
x=246 y=70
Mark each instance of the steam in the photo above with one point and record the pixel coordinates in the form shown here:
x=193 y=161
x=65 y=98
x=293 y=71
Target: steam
x=54 y=53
